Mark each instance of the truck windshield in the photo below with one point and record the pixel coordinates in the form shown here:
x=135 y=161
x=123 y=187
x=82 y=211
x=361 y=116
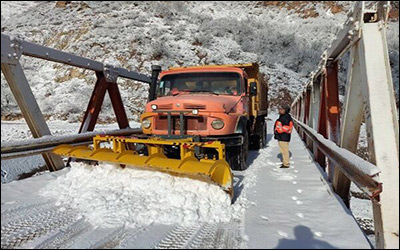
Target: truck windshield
x=225 y=83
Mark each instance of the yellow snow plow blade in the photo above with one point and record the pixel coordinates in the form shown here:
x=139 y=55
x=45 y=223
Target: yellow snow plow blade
x=214 y=170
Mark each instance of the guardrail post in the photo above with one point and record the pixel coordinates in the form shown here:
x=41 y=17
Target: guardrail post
x=22 y=92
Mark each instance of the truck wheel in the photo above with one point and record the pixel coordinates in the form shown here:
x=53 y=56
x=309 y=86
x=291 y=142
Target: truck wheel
x=237 y=156
x=258 y=140
x=244 y=151
x=233 y=157
x=263 y=141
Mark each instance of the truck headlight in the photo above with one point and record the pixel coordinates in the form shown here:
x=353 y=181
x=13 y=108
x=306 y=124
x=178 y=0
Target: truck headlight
x=217 y=124
x=146 y=123
x=154 y=107
x=195 y=111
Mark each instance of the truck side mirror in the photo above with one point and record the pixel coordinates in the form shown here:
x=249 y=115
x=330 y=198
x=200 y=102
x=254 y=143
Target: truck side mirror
x=253 y=89
x=155 y=71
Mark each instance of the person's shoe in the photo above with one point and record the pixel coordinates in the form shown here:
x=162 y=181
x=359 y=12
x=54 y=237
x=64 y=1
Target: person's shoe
x=283 y=166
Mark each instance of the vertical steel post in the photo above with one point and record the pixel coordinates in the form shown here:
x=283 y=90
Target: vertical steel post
x=351 y=120
x=333 y=114
x=22 y=92
x=332 y=101
x=95 y=103
x=307 y=116
x=322 y=124
x=118 y=106
x=382 y=129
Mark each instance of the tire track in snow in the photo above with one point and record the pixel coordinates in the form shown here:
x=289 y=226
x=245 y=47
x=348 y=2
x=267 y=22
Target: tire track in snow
x=66 y=236
x=232 y=236
x=112 y=240
x=132 y=235
x=204 y=236
x=218 y=236
x=19 y=232
x=179 y=237
x=18 y=212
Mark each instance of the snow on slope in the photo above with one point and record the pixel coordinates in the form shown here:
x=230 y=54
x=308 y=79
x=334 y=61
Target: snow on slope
x=12 y=8
x=138 y=34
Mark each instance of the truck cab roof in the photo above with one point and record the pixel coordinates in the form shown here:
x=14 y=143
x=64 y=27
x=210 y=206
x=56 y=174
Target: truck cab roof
x=238 y=68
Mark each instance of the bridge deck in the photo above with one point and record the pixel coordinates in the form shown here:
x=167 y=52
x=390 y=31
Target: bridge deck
x=296 y=207
x=286 y=208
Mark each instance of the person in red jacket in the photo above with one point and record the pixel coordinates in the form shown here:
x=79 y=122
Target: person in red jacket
x=282 y=131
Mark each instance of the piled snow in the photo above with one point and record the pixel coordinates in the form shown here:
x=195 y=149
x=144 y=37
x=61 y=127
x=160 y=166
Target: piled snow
x=110 y=197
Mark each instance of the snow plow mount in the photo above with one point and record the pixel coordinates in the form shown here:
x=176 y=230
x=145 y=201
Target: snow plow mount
x=123 y=151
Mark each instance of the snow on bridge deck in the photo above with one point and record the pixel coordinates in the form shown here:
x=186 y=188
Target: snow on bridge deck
x=296 y=207
x=285 y=208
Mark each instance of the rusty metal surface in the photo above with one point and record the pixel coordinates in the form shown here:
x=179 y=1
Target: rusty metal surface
x=118 y=106
x=95 y=103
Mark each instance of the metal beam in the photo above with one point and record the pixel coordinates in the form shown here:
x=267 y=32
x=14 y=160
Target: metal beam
x=45 y=144
x=118 y=106
x=351 y=120
x=332 y=101
x=348 y=35
x=322 y=124
x=19 y=86
x=94 y=106
x=382 y=129
x=307 y=115
x=12 y=47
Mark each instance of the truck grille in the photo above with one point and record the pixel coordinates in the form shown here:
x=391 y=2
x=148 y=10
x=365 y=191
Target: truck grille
x=191 y=123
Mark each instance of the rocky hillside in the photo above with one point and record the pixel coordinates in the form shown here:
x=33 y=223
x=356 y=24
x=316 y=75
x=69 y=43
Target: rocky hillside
x=286 y=38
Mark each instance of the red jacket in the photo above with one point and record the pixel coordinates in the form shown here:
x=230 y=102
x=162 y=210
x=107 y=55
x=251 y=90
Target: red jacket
x=283 y=128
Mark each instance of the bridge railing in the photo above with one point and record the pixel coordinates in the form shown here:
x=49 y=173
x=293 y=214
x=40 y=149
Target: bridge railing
x=369 y=97
x=12 y=48
x=363 y=173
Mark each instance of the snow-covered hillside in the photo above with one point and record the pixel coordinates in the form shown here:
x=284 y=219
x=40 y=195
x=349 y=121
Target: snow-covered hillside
x=286 y=39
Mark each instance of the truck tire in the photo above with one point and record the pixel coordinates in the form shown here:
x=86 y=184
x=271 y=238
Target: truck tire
x=233 y=157
x=263 y=143
x=245 y=151
x=259 y=140
x=237 y=156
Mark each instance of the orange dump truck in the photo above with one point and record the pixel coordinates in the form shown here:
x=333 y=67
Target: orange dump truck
x=226 y=103
x=199 y=123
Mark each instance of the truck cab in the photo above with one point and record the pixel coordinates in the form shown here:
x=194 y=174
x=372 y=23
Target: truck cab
x=208 y=103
